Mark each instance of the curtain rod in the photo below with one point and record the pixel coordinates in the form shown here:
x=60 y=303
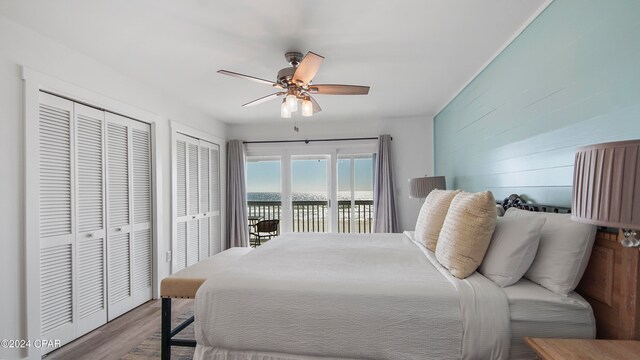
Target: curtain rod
x=306 y=141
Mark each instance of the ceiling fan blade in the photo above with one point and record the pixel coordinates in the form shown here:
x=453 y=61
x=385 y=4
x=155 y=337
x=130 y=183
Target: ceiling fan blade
x=264 y=99
x=247 y=77
x=331 y=89
x=316 y=107
x=308 y=68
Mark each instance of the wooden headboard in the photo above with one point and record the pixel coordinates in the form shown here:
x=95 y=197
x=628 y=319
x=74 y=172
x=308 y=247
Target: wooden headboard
x=610 y=282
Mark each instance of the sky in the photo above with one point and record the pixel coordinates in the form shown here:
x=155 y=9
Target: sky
x=308 y=175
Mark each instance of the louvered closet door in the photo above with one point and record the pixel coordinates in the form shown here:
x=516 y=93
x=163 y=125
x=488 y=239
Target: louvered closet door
x=216 y=226
x=180 y=243
x=205 y=200
x=197 y=224
x=118 y=217
x=209 y=199
x=193 y=201
x=142 y=239
x=90 y=271
x=128 y=214
x=57 y=225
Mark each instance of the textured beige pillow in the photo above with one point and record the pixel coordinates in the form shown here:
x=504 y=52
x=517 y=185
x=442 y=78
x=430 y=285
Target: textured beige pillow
x=466 y=232
x=432 y=215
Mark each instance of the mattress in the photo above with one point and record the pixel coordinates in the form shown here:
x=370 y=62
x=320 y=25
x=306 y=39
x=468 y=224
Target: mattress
x=373 y=296
x=538 y=312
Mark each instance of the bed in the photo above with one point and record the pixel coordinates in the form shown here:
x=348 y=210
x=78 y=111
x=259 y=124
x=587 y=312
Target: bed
x=379 y=296
x=329 y=296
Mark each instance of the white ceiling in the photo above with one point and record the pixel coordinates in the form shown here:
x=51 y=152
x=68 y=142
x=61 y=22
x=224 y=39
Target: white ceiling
x=415 y=55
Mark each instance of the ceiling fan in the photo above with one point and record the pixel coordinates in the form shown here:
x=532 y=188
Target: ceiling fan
x=296 y=85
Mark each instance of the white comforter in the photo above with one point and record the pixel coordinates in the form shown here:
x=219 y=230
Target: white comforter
x=305 y=296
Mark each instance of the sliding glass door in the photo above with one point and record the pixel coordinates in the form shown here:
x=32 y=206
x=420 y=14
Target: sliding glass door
x=355 y=193
x=312 y=189
x=310 y=193
x=264 y=189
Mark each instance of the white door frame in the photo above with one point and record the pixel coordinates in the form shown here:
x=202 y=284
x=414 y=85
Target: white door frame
x=34 y=82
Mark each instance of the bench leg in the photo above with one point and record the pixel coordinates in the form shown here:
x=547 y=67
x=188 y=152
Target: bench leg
x=165 y=347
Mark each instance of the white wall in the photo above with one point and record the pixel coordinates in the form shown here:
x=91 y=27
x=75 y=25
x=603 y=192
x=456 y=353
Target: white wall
x=412 y=148
x=20 y=46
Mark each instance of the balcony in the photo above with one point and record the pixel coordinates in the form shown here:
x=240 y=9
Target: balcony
x=313 y=216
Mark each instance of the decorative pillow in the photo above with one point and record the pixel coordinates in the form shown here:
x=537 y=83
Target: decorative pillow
x=563 y=254
x=512 y=249
x=432 y=215
x=466 y=232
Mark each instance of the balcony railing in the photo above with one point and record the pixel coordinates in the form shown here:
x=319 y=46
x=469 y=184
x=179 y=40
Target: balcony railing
x=363 y=216
x=313 y=216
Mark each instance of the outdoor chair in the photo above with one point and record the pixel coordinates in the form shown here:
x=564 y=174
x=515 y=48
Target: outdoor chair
x=265 y=229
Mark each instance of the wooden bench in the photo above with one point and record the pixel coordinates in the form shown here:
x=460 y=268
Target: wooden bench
x=184 y=285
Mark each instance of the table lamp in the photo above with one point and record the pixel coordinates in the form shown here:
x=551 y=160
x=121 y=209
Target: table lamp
x=606 y=187
x=421 y=187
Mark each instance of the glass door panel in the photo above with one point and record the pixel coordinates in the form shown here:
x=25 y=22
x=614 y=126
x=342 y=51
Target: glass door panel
x=264 y=189
x=355 y=193
x=345 y=193
x=363 y=193
x=310 y=193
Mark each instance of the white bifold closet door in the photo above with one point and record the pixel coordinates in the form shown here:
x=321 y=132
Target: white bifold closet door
x=197 y=224
x=90 y=209
x=129 y=238
x=56 y=219
x=95 y=217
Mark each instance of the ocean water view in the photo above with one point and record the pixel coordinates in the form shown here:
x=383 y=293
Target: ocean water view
x=307 y=196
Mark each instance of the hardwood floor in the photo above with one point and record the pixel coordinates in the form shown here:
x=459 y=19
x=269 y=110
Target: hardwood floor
x=116 y=338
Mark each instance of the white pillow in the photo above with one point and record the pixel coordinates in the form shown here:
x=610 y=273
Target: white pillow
x=563 y=254
x=512 y=249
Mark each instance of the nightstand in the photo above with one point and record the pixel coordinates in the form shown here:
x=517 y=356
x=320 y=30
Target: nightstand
x=584 y=349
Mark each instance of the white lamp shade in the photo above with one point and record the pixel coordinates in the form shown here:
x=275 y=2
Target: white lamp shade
x=307 y=108
x=284 y=110
x=422 y=186
x=292 y=103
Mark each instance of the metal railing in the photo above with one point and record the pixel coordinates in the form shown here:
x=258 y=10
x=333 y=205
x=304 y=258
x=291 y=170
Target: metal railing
x=362 y=216
x=313 y=216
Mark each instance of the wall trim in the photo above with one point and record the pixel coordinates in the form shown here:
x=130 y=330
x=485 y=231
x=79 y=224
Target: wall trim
x=504 y=46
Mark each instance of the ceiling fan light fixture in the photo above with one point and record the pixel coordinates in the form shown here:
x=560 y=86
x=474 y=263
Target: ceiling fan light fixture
x=307 y=107
x=292 y=102
x=296 y=84
x=284 y=110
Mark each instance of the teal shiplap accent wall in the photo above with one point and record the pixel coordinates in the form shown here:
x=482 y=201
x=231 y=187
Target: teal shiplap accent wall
x=571 y=78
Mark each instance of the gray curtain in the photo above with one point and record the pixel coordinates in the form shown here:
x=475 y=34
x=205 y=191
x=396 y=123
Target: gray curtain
x=384 y=199
x=237 y=220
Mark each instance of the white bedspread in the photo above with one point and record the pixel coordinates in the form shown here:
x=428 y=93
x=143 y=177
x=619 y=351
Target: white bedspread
x=305 y=296
x=485 y=314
